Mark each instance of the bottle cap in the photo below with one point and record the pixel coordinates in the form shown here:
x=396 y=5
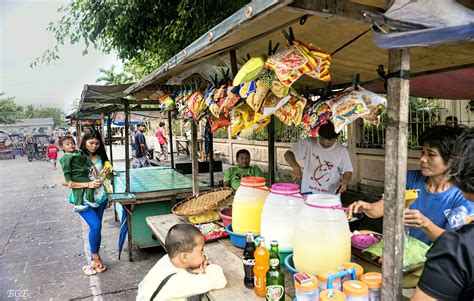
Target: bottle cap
x=331 y=295
x=274 y=243
x=372 y=279
x=305 y=282
x=324 y=275
x=355 y=288
x=359 y=269
x=323 y=200
x=252 y=181
x=286 y=188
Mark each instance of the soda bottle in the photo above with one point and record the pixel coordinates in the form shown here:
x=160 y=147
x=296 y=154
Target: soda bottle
x=275 y=286
x=261 y=267
x=249 y=260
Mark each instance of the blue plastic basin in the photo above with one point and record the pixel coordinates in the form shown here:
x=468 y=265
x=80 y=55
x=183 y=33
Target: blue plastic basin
x=236 y=239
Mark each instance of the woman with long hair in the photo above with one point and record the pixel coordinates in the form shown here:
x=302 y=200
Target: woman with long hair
x=93 y=146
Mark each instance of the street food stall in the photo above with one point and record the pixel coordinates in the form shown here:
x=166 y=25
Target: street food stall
x=345 y=47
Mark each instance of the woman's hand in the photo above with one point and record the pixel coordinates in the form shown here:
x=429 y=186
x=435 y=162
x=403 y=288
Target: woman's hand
x=94 y=184
x=105 y=170
x=358 y=207
x=415 y=219
x=341 y=186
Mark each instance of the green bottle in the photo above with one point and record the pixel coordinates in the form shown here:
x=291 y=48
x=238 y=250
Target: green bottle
x=275 y=289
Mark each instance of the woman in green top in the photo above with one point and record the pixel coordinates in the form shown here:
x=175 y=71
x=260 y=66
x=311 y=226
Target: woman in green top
x=243 y=169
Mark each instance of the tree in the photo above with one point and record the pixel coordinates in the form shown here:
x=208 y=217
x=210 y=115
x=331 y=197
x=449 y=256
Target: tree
x=110 y=77
x=55 y=113
x=10 y=112
x=144 y=32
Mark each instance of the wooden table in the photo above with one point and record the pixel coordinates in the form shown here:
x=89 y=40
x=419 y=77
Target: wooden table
x=224 y=254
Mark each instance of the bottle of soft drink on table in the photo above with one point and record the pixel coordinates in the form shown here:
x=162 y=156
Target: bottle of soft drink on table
x=261 y=267
x=249 y=261
x=275 y=286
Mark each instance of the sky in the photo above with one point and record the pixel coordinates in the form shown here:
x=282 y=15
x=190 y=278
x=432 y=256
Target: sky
x=23 y=37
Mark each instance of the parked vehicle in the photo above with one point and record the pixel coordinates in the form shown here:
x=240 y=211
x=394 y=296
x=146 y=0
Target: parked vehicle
x=19 y=143
x=37 y=149
x=7 y=148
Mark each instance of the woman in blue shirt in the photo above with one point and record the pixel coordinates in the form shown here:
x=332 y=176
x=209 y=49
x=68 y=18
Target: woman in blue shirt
x=92 y=145
x=436 y=193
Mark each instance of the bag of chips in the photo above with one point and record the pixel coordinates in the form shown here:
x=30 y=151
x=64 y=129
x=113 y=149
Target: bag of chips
x=230 y=100
x=272 y=103
x=217 y=123
x=347 y=107
x=196 y=105
x=376 y=104
x=255 y=100
x=249 y=71
x=317 y=115
x=292 y=111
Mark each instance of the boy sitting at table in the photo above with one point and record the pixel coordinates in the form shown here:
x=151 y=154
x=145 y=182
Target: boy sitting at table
x=185 y=273
x=243 y=169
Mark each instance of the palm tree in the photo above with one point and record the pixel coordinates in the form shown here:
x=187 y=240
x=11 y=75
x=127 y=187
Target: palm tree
x=110 y=77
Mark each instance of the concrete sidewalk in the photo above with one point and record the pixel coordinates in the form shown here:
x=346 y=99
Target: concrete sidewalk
x=44 y=244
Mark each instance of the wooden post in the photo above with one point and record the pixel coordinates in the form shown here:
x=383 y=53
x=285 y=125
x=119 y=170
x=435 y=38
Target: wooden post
x=395 y=173
x=211 y=157
x=109 y=136
x=271 y=150
x=171 y=139
x=194 y=158
x=127 y=152
x=233 y=62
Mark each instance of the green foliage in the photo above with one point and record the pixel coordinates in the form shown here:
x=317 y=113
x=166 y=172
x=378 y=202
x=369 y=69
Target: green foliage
x=112 y=77
x=10 y=112
x=144 y=32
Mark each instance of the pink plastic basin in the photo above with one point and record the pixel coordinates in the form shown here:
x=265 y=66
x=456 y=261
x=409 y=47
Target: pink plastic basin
x=226 y=215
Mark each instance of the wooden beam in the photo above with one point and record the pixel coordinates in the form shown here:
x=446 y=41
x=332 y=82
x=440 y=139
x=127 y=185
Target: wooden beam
x=109 y=136
x=170 y=126
x=271 y=150
x=340 y=9
x=233 y=62
x=395 y=173
x=194 y=158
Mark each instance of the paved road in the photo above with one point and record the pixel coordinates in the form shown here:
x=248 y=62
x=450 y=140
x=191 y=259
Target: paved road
x=43 y=244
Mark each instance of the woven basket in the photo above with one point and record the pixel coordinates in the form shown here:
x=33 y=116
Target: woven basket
x=202 y=203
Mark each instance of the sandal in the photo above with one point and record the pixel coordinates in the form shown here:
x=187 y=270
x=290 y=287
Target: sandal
x=89 y=270
x=99 y=270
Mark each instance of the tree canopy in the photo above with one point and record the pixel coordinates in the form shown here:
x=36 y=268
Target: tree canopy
x=112 y=77
x=10 y=112
x=144 y=33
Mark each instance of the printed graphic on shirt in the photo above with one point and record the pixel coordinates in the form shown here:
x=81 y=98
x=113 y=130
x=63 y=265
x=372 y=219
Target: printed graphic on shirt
x=321 y=174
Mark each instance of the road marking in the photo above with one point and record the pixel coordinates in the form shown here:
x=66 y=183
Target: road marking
x=94 y=280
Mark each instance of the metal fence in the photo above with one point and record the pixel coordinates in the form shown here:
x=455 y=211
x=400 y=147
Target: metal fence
x=423 y=113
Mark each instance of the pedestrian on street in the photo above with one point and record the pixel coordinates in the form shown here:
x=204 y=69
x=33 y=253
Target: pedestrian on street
x=141 y=158
x=52 y=151
x=160 y=134
x=93 y=146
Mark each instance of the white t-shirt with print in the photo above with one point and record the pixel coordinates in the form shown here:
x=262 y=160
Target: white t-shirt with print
x=323 y=167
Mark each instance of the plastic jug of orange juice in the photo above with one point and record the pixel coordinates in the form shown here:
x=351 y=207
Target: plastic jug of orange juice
x=261 y=267
x=248 y=203
x=322 y=236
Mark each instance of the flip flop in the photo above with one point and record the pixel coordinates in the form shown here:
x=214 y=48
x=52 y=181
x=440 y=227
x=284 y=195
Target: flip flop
x=100 y=270
x=89 y=270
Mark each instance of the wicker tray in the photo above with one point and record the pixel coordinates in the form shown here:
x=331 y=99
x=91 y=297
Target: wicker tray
x=202 y=203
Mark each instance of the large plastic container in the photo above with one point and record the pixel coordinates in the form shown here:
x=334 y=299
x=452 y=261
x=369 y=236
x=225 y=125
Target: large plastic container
x=280 y=213
x=247 y=206
x=374 y=282
x=322 y=236
x=355 y=290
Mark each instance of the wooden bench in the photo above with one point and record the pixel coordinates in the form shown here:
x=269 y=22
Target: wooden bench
x=220 y=252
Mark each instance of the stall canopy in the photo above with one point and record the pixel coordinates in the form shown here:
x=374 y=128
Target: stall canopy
x=339 y=28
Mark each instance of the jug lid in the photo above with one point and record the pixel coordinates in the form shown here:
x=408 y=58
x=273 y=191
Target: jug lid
x=372 y=279
x=252 y=181
x=359 y=269
x=355 y=288
x=323 y=200
x=286 y=188
x=332 y=295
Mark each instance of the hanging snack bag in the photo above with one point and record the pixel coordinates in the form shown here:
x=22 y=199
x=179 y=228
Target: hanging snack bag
x=347 y=107
x=249 y=71
x=375 y=103
x=291 y=63
x=317 y=115
x=292 y=111
x=196 y=105
x=230 y=100
x=272 y=103
x=211 y=103
x=323 y=59
x=255 y=100
x=217 y=123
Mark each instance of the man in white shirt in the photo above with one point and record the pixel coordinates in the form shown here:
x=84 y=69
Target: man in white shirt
x=327 y=165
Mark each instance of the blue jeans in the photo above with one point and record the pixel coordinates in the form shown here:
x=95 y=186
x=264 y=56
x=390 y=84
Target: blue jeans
x=93 y=217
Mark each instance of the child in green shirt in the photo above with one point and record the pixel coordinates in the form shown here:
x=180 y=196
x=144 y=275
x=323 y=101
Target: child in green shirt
x=243 y=169
x=78 y=168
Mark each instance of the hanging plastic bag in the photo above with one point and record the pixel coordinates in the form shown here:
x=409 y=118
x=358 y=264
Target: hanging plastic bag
x=230 y=100
x=217 y=123
x=255 y=100
x=292 y=111
x=249 y=71
x=317 y=115
x=375 y=103
x=347 y=107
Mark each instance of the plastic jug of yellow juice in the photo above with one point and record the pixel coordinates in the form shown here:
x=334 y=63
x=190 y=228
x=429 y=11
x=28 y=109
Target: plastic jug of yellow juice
x=322 y=236
x=248 y=203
